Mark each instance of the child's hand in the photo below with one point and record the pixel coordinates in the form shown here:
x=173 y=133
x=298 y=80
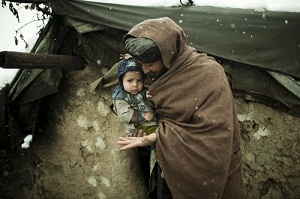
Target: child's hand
x=148 y=96
x=148 y=117
x=125 y=56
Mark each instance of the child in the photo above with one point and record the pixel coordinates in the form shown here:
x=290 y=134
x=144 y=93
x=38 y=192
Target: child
x=129 y=99
x=133 y=108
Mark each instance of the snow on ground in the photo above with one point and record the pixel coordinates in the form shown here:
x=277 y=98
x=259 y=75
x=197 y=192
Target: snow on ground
x=30 y=30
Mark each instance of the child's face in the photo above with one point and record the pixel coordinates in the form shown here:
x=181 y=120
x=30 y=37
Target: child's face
x=133 y=82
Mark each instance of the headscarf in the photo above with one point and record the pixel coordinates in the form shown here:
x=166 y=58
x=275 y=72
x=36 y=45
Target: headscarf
x=142 y=49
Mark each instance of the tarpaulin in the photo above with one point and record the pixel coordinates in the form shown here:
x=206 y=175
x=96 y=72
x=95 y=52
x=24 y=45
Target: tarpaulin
x=268 y=40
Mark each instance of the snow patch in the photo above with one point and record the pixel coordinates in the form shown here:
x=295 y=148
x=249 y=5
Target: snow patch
x=105 y=181
x=82 y=121
x=87 y=145
x=261 y=133
x=103 y=109
x=92 y=181
x=96 y=126
x=244 y=117
x=80 y=92
x=101 y=195
x=27 y=141
x=100 y=143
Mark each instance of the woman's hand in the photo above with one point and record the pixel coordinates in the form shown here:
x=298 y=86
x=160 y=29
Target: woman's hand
x=133 y=142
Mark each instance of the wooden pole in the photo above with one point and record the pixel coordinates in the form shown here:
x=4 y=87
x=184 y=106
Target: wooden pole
x=20 y=60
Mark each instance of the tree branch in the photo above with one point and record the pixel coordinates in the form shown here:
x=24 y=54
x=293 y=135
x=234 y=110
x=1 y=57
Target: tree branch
x=29 y=1
x=44 y=11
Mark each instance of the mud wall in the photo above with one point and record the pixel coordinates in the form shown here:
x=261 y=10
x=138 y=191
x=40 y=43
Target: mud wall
x=75 y=155
x=271 y=151
x=79 y=156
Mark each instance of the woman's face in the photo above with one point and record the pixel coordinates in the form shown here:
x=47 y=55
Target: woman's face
x=154 y=67
x=133 y=82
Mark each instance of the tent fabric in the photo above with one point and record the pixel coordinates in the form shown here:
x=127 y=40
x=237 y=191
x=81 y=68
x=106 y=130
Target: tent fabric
x=269 y=40
x=262 y=84
x=35 y=84
x=288 y=82
x=263 y=45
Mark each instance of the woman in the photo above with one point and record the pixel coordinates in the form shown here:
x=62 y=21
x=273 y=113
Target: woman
x=198 y=138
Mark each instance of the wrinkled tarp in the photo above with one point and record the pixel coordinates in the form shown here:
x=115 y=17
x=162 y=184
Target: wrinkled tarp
x=264 y=44
x=269 y=40
x=264 y=48
x=261 y=83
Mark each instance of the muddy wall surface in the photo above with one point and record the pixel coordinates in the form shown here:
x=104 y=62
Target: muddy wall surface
x=75 y=155
x=78 y=148
x=271 y=151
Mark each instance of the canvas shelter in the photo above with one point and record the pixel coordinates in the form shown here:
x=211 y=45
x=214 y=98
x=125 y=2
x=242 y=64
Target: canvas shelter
x=260 y=50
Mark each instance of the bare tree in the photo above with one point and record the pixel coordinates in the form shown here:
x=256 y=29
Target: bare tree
x=43 y=8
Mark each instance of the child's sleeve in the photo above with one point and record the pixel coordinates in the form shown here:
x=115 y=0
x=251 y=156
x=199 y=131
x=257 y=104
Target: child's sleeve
x=126 y=113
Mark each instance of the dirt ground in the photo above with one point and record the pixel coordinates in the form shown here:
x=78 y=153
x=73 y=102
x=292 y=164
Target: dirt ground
x=75 y=155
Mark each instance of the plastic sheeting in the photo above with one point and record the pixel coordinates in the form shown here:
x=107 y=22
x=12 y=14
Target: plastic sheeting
x=265 y=45
x=269 y=40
